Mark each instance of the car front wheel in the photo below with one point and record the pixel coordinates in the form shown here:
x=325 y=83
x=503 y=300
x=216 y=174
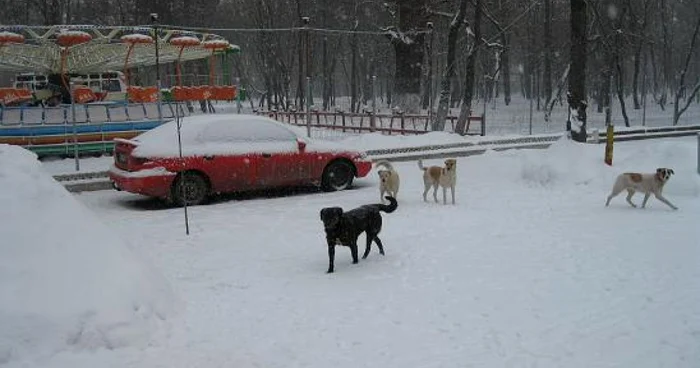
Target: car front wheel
x=337 y=176
x=191 y=188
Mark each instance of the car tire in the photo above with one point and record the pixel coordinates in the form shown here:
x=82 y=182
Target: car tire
x=190 y=187
x=338 y=175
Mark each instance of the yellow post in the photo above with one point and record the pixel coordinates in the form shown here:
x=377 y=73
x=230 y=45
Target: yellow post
x=609 y=144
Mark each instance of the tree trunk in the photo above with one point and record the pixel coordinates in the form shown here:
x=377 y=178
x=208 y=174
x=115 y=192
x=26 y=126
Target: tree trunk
x=465 y=110
x=325 y=67
x=638 y=28
x=547 y=77
x=677 y=110
x=635 y=76
x=505 y=64
x=409 y=52
x=428 y=78
x=445 y=86
x=576 y=123
x=620 y=92
x=353 y=73
x=666 y=55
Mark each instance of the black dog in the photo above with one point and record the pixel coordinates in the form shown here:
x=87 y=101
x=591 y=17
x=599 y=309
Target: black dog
x=344 y=228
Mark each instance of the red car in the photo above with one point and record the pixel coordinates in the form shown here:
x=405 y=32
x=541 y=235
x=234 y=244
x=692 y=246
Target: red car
x=229 y=153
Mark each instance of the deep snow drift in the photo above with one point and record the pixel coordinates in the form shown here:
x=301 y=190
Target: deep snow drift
x=67 y=281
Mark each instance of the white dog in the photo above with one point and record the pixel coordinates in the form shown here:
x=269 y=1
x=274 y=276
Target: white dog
x=388 y=180
x=445 y=177
x=646 y=183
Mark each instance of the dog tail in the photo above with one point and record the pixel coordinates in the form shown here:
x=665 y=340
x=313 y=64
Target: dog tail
x=391 y=207
x=420 y=164
x=386 y=164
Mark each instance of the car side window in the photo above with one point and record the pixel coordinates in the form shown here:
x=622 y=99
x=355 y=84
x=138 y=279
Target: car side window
x=248 y=131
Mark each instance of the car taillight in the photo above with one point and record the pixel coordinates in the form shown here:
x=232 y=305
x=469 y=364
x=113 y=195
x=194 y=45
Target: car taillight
x=121 y=159
x=137 y=161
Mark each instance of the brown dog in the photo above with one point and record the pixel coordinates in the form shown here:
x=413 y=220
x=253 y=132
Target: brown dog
x=436 y=176
x=646 y=183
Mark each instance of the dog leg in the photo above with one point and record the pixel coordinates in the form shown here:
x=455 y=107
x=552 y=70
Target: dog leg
x=353 y=252
x=425 y=192
x=435 y=189
x=452 y=189
x=646 y=198
x=444 y=195
x=379 y=244
x=369 y=245
x=616 y=190
x=662 y=199
x=331 y=257
x=630 y=193
x=381 y=195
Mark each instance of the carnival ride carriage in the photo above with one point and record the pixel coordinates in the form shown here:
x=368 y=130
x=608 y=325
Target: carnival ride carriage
x=51 y=115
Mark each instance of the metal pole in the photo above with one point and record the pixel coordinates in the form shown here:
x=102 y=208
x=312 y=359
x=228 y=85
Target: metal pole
x=182 y=187
x=154 y=19
x=75 y=128
x=308 y=107
x=609 y=125
x=430 y=74
x=374 y=103
x=644 y=99
x=484 y=112
x=238 y=95
x=531 y=98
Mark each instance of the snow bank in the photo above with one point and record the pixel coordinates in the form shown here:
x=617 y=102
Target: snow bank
x=566 y=163
x=370 y=141
x=67 y=282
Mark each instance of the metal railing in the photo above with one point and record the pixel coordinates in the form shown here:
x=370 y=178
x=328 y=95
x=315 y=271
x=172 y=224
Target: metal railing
x=397 y=123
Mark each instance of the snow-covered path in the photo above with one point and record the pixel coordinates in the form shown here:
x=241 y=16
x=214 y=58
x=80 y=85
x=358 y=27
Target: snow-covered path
x=529 y=269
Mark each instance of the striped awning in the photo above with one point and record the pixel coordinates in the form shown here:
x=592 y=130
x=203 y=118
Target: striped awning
x=41 y=54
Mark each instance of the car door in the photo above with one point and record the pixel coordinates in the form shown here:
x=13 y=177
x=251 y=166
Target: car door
x=220 y=156
x=277 y=164
x=231 y=172
x=279 y=158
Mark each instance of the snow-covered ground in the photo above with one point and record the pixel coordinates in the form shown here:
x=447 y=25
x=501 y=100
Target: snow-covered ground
x=528 y=269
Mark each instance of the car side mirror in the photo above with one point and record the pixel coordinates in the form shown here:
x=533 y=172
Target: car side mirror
x=301 y=145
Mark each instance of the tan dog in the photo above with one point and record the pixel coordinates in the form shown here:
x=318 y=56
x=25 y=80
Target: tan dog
x=388 y=180
x=646 y=183
x=435 y=176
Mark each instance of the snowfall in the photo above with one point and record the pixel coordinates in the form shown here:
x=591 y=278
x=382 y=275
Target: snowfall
x=528 y=269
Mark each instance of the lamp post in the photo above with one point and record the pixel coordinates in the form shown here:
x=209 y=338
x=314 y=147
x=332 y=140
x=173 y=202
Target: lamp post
x=71 y=91
x=154 y=20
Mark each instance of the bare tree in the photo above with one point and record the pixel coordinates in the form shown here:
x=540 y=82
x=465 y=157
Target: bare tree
x=547 y=77
x=678 y=111
x=408 y=40
x=576 y=97
x=445 y=86
x=465 y=110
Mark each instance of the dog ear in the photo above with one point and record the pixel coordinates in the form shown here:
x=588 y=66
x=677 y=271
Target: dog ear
x=671 y=171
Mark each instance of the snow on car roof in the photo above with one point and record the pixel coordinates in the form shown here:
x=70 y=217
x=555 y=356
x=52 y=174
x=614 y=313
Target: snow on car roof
x=222 y=134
